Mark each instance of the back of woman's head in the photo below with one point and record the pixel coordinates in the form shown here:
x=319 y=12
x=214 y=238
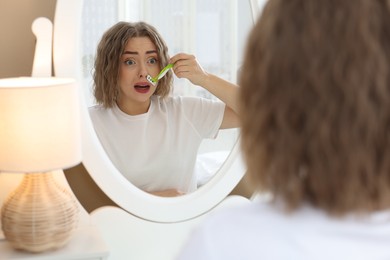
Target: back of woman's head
x=109 y=51
x=315 y=103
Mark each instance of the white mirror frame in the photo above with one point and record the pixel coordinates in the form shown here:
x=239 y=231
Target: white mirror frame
x=66 y=50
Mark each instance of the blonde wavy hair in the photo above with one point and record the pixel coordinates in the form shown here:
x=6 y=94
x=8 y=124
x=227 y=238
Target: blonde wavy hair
x=107 y=61
x=315 y=104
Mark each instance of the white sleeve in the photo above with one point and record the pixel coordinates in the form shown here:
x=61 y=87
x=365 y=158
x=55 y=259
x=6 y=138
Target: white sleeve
x=204 y=114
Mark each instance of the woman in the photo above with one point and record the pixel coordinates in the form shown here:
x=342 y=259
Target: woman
x=151 y=137
x=315 y=110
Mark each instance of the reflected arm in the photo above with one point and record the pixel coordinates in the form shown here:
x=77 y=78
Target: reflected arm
x=187 y=66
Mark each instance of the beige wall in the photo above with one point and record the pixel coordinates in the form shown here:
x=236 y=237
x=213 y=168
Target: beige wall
x=17 y=42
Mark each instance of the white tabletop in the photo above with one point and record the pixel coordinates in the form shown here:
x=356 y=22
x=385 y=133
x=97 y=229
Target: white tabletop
x=86 y=243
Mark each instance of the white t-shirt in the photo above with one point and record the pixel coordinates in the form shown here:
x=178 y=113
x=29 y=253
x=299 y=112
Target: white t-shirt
x=262 y=231
x=157 y=150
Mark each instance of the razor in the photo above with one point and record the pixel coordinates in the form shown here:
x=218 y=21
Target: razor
x=160 y=75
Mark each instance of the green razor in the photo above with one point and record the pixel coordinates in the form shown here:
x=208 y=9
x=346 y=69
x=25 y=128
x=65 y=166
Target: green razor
x=160 y=75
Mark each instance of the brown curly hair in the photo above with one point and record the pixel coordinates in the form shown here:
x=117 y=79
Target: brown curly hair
x=109 y=51
x=315 y=104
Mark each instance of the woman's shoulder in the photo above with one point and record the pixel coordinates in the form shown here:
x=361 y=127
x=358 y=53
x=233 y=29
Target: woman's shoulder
x=260 y=212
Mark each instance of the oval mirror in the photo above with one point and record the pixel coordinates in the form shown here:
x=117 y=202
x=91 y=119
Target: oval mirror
x=67 y=53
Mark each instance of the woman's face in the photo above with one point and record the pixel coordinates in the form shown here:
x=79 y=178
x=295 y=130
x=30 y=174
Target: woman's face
x=138 y=60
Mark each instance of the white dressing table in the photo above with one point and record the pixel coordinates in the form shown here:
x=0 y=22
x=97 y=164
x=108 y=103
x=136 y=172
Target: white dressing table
x=129 y=237
x=86 y=243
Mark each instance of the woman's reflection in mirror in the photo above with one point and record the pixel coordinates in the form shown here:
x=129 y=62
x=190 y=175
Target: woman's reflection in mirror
x=151 y=136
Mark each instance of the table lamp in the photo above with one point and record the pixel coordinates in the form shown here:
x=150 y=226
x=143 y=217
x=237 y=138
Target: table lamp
x=39 y=133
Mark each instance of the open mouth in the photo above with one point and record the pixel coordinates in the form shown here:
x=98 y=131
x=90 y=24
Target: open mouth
x=142 y=88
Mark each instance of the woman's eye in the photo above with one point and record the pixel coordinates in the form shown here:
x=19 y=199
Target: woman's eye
x=129 y=62
x=152 y=61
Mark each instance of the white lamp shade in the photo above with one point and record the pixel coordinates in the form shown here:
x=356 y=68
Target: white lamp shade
x=39 y=124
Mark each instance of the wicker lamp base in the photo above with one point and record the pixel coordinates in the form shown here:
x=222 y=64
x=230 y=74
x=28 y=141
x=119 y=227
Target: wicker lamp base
x=39 y=215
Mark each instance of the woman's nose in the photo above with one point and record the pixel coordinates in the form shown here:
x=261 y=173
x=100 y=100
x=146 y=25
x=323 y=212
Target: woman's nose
x=143 y=72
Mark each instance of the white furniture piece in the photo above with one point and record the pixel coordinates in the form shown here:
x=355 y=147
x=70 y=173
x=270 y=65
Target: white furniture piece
x=129 y=237
x=86 y=243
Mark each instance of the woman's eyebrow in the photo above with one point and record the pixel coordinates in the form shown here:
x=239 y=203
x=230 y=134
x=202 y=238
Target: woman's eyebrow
x=136 y=52
x=130 y=52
